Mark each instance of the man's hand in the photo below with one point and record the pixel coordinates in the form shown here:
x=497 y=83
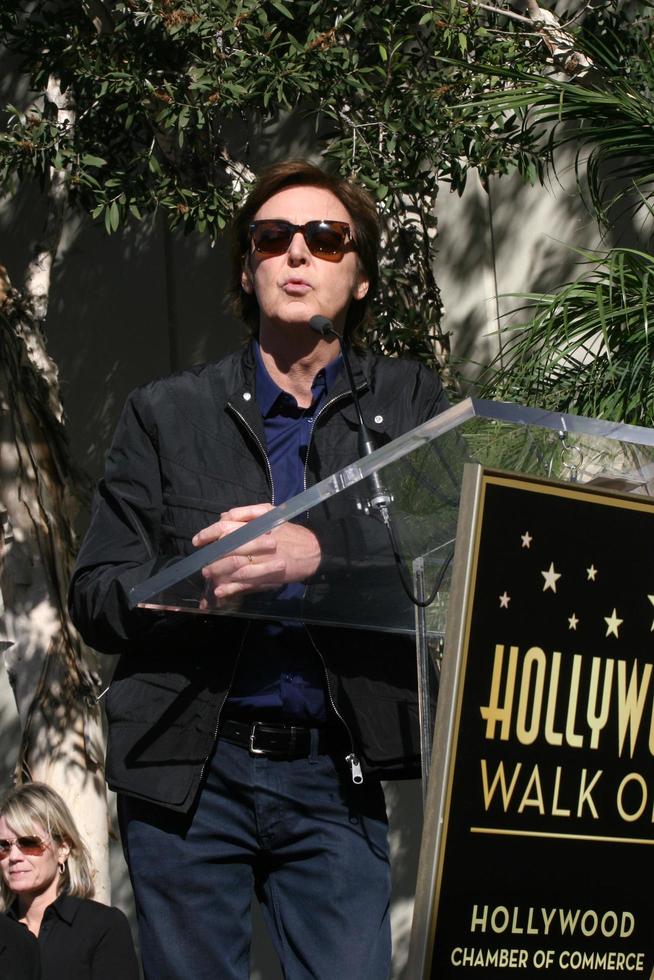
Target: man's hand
x=290 y=553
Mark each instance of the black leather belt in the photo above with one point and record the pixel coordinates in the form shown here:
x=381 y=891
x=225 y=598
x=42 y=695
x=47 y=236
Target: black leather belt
x=276 y=740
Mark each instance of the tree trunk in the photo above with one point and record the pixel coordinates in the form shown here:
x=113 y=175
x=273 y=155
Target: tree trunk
x=47 y=664
x=62 y=741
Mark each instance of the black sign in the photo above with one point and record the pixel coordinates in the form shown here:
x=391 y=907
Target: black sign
x=547 y=855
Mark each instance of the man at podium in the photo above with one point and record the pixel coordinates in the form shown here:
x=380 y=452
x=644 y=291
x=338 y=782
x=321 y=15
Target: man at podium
x=247 y=754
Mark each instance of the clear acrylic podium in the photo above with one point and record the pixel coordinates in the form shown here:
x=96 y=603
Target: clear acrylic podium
x=418 y=481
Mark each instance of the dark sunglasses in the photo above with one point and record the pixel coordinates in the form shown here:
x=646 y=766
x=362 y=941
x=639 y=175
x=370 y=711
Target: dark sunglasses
x=32 y=846
x=326 y=239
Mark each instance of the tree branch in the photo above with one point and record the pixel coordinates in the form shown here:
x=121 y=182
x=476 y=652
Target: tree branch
x=559 y=41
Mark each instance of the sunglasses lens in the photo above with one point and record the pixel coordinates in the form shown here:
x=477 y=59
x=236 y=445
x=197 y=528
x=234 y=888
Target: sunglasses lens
x=271 y=237
x=32 y=846
x=326 y=237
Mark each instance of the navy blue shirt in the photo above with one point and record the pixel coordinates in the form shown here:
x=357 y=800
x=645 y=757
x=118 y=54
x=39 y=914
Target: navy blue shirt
x=279 y=673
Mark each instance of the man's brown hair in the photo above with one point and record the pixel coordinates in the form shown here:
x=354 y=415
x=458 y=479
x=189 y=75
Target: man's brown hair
x=365 y=231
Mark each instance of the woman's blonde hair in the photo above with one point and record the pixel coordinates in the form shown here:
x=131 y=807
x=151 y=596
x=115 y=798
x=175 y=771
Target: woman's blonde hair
x=34 y=807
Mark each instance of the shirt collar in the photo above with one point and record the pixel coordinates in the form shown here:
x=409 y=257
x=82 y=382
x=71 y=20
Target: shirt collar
x=64 y=905
x=267 y=391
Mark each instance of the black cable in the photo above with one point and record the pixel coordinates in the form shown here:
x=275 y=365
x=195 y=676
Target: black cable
x=399 y=564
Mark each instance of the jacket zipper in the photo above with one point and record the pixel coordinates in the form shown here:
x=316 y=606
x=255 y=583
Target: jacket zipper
x=261 y=448
x=352 y=759
x=336 y=398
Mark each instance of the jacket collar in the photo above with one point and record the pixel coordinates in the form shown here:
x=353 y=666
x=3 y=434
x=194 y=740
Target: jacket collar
x=240 y=392
x=362 y=363
x=238 y=389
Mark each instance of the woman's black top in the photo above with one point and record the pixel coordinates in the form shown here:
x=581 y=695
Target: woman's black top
x=19 y=952
x=84 y=940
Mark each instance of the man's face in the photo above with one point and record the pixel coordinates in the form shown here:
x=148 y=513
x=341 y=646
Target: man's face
x=292 y=287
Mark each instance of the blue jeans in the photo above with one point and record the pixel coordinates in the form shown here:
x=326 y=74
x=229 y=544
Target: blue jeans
x=312 y=844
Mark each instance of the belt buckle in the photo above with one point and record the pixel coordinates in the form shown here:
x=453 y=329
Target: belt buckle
x=253 y=732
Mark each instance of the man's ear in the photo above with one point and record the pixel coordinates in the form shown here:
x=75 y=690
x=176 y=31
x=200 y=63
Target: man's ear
x=246 y=276
x=361 y=286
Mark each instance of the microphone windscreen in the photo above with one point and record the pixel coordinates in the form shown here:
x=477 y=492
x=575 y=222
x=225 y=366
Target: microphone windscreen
x=321 y=324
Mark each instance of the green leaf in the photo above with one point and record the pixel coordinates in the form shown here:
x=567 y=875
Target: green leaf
x=114 y=216
x=236 y=89
x=183 y=118
x=88 y=160
x=282 y=8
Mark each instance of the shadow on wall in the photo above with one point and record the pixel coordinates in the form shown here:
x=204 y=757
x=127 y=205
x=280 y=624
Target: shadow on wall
x=519 y=239
x=142 y=311
x=494 y=245
x=123 y=310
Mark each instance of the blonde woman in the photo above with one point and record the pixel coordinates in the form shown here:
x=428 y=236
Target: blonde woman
x=47 y=886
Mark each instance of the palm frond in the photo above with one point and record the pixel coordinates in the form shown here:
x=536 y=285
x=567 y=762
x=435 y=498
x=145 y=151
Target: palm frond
x=588 y=347
x=607 y=116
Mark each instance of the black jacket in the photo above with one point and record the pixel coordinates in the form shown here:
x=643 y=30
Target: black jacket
x=83 y=940
x=19 y=952
x=186 y=448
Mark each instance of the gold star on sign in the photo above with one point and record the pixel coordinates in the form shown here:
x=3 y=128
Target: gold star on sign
x=591 y=573
x=551 y=578
x=612 y=624
x=526 y=539
x=505 y=600
x=572 y=622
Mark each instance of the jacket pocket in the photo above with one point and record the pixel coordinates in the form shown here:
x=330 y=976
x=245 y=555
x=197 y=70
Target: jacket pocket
x=149 y=701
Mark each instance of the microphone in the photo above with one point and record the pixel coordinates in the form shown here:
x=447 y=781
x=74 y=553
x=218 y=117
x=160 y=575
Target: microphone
x=380 y=499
